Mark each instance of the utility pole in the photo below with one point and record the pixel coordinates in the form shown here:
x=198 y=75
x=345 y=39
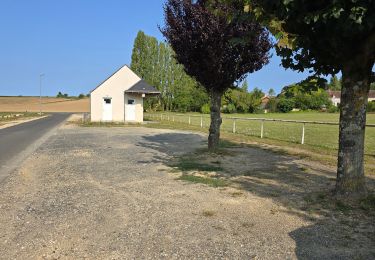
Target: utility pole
x=40 y=93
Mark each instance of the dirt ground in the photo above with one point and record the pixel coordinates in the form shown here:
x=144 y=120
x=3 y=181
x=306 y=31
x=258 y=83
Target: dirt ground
x=113 y=193
x=49 y=104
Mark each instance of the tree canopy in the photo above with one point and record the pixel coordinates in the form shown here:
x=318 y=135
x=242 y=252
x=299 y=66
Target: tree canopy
x=326 y=37
x=205 y=43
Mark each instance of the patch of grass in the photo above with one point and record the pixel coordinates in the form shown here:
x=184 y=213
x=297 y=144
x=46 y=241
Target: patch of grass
x=343 y=207
x=9 y=116
x=304 y=169
x=236 y=194
x=108 y=124
x=208 y=213
x=213 y=182
x=191 y=165
x=227 y=144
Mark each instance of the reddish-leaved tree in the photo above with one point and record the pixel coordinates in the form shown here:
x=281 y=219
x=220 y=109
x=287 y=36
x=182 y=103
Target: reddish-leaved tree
x=212 y=48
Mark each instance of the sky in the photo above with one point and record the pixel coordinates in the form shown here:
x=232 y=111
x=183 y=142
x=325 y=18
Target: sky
x=77 y=44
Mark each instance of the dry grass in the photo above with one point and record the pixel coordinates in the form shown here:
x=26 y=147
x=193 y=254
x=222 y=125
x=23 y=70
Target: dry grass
x=49 y=104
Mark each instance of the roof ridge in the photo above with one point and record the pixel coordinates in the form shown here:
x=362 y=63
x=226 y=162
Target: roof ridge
x=125 y=65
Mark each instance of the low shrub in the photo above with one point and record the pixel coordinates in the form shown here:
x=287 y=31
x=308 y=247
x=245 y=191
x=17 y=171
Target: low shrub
x=285 y=105
x=205 y=109
x=229 y=109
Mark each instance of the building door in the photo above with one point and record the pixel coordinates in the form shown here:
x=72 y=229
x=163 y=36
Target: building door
x=107 y=109
x=130 y=110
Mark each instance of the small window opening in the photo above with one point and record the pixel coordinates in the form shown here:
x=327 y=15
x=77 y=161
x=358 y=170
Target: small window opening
x=107 y=100
x=131 y=101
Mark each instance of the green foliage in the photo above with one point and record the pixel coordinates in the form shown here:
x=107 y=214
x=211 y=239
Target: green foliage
x=308 y=94
x=285 y=105
x=315 y=100
x=272 y=105
x=371 y=106
x=154 y=61
x=324 y=33
x=372 y=86
x=307 y=85
x=213 y=182
x=245 y=86
x=205 y=109
x=335 y=83
x=333 y=109
x=271 y=92
x=229 y=109
x=80 y=96
x=243 y=101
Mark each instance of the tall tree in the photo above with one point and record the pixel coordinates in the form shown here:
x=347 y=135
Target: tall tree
x=154 y=61
x=205 y=43
x=271 y=92
x=334 y=83
x=245 y=86
x=328 y=37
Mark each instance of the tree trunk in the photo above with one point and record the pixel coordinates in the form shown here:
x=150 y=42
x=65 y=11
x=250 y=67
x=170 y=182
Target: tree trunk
x=214 y=133
x=354 y=95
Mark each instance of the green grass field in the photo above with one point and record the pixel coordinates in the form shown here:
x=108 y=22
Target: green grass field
x=316 y=135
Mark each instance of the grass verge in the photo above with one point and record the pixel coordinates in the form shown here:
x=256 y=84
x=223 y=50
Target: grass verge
x=210 y=181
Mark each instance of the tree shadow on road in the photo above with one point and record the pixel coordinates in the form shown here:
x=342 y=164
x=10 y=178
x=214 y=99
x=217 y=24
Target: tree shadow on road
x=300 y=187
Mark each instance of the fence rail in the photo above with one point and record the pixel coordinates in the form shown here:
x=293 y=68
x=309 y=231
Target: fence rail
x=297 y=131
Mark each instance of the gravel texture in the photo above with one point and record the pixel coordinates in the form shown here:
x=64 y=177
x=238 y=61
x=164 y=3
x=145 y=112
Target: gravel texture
x=107 y=193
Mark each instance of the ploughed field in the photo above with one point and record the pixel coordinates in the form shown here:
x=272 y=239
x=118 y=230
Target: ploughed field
x=49 y=104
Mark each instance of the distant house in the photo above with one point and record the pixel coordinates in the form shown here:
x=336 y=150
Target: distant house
x=120 y=97
x=264 y=101
x=335 y=96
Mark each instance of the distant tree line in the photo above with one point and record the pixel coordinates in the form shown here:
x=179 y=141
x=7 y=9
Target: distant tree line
x=65 y=95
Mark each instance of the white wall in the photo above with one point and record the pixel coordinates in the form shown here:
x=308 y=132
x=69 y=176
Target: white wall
x=114 y=87
x=138 y=105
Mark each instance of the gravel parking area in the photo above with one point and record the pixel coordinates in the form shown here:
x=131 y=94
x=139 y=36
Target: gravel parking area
x=107 y=193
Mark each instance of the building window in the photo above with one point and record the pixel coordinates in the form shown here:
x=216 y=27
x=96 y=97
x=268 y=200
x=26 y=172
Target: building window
x=107 y=100
x=131 y=101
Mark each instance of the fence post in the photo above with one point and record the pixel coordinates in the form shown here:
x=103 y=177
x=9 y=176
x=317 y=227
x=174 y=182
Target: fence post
x=262 y=129
x=189 y=120
x=173 y=118
x=234 y=126
x=201 y=121
x=303 y=134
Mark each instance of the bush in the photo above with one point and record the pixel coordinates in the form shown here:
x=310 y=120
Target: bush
x=205 y=109
x=333 y=109
x=229 y=109
x=285 y=105
x=81 y=96
x=371 y=106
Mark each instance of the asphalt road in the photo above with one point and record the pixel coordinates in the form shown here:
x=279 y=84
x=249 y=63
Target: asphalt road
x=16 y=142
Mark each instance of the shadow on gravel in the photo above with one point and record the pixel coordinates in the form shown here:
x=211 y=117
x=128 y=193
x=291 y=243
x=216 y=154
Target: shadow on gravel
x=339 y=231
x=172 y=144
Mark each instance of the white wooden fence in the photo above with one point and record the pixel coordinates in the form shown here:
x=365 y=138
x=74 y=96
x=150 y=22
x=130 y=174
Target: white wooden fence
x=203 y=122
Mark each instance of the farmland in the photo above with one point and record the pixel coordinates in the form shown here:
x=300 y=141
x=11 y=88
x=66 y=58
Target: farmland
x=49 y=104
